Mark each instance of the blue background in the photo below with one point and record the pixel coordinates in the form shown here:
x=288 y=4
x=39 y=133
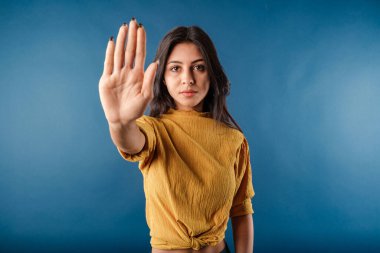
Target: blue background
x=305 y=89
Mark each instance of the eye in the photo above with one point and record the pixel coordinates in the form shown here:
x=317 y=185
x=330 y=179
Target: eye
x=200 y=67
x=174 y=68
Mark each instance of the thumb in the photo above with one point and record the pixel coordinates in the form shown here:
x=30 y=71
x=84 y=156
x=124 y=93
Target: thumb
x=147 y=86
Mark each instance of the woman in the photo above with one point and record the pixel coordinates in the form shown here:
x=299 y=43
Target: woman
x=193 y=156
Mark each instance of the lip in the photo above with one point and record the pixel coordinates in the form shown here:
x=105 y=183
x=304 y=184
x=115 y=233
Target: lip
x=188 y=93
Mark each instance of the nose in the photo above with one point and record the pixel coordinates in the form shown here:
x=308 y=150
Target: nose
x=188 y=78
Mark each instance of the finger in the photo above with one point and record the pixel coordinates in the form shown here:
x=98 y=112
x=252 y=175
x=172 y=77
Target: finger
x=141 y=48
x=148 y=83
x=131 y=44
x=108 y=62
x=120 y=44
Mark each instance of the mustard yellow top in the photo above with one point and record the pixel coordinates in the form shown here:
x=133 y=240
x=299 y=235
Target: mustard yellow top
x=197 y=174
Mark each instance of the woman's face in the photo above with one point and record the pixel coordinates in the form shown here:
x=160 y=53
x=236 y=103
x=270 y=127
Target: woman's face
x=186 y=77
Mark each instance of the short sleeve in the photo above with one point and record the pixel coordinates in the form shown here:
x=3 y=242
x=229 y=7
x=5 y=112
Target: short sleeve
x=145 y=155
x=241 y=204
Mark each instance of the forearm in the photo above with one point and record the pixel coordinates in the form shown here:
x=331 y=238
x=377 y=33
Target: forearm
x=243 y=233
x=128 y=137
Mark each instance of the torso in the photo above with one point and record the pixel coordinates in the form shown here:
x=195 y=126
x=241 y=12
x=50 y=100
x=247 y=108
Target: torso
x=173 y=165
x=209 y=249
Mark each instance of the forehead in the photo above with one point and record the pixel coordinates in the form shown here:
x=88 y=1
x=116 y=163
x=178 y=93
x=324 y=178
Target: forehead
x=184 y=52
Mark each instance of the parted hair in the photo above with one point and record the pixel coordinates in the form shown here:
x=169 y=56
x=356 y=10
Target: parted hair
x=215 y=100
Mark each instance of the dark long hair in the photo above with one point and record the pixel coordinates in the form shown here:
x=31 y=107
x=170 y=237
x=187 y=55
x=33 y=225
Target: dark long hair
x=215 y=100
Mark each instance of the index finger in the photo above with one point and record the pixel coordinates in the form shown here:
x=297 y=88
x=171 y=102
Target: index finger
x=141 y=48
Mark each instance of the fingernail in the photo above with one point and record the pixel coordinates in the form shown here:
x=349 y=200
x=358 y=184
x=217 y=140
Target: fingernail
x=124 y=24
x=111 y=38
x=133 y=18
x=140 y=24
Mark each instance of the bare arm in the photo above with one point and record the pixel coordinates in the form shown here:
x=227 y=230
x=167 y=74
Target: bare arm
x=243 y=231
x=127 y=137
x=124 y=88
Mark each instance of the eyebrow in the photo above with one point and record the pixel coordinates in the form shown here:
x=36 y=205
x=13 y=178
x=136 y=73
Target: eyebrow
x=181 y=62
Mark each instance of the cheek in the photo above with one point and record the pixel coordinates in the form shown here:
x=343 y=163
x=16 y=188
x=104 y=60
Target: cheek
x=205 y=83
x=207 y=89
x=171 y=80
x=171 y=87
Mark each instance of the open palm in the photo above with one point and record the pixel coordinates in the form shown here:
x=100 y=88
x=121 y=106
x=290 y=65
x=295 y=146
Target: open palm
x=124 y=88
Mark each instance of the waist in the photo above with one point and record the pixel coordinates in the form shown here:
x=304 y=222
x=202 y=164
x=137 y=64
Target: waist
x=208 y=249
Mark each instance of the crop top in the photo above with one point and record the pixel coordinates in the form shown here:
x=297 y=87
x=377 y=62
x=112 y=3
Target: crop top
x=197 y=174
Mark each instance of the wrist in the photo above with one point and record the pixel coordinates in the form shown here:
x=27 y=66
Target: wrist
x=122 y=125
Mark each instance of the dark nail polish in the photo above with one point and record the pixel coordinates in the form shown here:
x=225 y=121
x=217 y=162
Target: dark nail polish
x=124 y=24
x=140 y=24
x=111 y=38
x=133 y=18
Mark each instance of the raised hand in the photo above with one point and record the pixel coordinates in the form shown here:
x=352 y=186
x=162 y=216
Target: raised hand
x=124 y=89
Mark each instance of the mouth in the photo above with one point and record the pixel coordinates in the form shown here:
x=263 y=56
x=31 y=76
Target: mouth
x=188 y=93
